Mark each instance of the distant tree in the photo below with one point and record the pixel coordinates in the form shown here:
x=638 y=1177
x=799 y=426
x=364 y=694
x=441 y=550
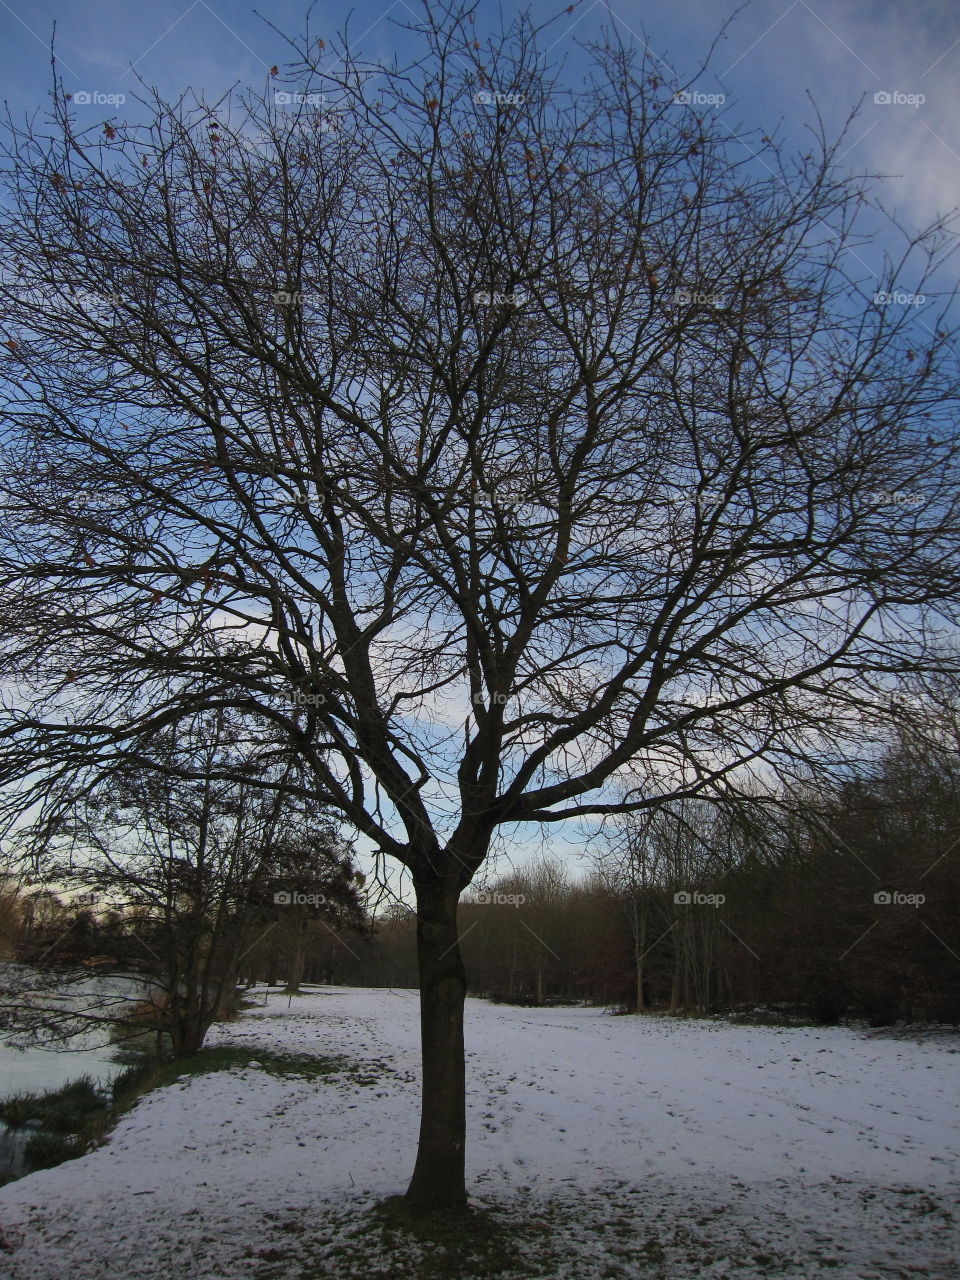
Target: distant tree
x=631 y=867
x=478 y=438
x=12 y=915
x=315 y=890
x=193 y=864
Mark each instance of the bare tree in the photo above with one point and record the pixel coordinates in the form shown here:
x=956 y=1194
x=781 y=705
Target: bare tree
x=13 y=913
x=631 y=867
x=482 y=437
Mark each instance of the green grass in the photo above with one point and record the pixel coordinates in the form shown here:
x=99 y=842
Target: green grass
x=142 y=1077
x=512 y=1241
x=474 y=1244
x=65 y=1110
x=78 y=1114
x=46 y=1150
x=70 y=1119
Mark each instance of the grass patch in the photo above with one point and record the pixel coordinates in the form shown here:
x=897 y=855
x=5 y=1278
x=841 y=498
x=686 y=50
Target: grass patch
x=602 y=1235
x=612 y=1233
x=67 y=1121
x=46 y=1150
x=393 y=1240
x=473 y=1243
x=142 y=1077
x=73 y=1119
x=65 y=1110
x=768 y=1016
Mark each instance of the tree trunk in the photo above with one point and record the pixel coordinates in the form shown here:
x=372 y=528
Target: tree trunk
x=675 y=985
x=640 y=940
x=438 y=1176
x=187 y=1035
x=295 y=972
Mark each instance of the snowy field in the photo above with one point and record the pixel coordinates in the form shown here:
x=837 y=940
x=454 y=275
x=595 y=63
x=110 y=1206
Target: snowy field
x=600 y=1146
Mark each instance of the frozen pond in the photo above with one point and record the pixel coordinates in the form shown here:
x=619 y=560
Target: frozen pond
x=36 y=1070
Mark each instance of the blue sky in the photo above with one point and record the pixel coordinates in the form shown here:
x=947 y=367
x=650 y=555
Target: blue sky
x=774 y=55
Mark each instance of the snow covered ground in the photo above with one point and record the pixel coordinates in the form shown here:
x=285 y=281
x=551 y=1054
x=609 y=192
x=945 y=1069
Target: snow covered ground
x=602 y=1146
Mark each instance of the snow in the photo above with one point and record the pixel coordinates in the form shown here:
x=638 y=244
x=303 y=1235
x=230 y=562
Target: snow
x=646 y=1146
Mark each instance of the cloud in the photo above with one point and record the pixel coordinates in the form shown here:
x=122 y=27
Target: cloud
x=842 y=53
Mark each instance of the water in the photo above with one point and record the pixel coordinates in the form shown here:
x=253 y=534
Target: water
x=36 y=1070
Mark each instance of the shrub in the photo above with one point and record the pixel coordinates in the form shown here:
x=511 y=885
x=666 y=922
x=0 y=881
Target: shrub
x=45 y=1150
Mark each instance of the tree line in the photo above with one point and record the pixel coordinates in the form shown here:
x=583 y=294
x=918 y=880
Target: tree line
x=843 y=906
